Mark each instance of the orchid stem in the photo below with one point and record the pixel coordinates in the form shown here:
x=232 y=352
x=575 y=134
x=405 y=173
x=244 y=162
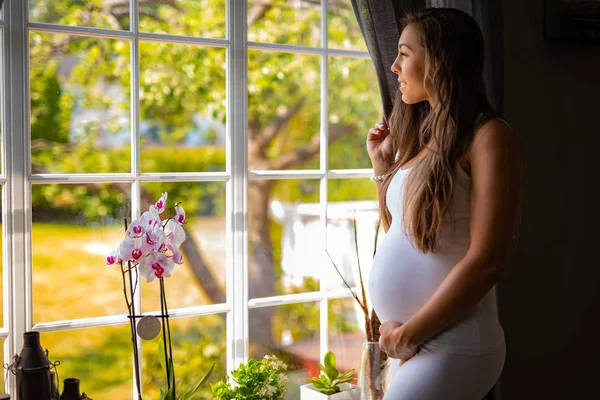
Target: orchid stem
x=132 y=315
x=125 y=288
x=164 y=300
x=134 y=335
x=164 y=332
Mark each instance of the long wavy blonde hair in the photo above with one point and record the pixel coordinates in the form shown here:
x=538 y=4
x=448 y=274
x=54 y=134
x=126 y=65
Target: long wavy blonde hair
x=453 y=43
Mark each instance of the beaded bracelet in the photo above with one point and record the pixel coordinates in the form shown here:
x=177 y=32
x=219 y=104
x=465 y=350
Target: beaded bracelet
x=378 y=178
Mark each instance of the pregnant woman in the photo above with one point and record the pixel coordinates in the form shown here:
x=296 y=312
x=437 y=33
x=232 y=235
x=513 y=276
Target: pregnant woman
x=448 y=172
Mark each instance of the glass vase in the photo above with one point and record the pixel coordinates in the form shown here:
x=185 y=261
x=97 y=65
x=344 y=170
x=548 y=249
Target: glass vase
x=374 y=375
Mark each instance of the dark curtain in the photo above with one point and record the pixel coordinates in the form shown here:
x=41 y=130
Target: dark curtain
x=378 y=21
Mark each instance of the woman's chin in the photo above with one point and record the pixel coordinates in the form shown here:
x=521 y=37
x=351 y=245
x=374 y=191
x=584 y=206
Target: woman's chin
x=406 y=99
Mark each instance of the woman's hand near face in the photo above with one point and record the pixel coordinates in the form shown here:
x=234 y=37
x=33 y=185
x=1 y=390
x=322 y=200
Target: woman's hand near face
x=393 y=344
x=379 y=147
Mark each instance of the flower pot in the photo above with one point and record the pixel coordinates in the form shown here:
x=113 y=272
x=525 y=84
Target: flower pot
x=33 y=369
x=349 y=392
x=373 y=375
x=71 y=389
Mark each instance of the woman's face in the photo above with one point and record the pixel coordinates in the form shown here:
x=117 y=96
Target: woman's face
x=410 y=68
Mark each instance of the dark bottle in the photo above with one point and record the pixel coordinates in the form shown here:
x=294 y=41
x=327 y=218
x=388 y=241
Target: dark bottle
x=54 y=395
x=33 y=370
x=71 y=389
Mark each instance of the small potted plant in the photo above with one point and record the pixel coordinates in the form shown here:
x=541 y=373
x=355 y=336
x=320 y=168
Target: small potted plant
x=262 y=379
x=330 y=384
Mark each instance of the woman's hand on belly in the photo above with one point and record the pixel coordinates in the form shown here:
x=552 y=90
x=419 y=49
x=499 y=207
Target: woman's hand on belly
x=394 y=343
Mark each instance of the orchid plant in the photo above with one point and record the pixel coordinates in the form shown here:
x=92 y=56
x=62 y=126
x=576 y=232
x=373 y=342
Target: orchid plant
x=151 y=249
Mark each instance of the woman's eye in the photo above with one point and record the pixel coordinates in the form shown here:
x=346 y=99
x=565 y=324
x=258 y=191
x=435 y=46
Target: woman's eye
x=403 y=54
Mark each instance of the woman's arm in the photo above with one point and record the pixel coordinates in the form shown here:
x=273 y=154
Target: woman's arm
x=496 y=161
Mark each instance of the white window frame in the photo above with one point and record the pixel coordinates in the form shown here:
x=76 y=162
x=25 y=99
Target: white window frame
x=17 y=178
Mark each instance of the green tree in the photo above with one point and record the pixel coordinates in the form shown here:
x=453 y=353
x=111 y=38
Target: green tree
x=178 y=82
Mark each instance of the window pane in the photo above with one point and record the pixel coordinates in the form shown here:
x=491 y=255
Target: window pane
x=283 y=21
x=354 y=107
x=284 y=233
x=198 y=18
x=291 y=332
x=201 y=277
x=350 y=200
x=109 y=14
x=354 y=194
x=182 y=108
x=80 y=104
x=74 y=228
x=197 y=343
x=344 y=32
x=346 y=333
x=101 y=358
x=283 y=110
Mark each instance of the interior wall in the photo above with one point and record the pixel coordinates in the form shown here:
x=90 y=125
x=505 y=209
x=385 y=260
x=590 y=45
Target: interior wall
x=548 y=294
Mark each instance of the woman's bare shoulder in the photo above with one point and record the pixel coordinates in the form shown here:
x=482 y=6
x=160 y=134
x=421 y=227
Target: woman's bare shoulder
x=492 y=135
x=496 y=134
x=496 y=141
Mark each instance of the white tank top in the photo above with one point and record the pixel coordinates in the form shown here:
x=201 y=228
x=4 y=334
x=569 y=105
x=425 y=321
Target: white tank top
x=402 y=278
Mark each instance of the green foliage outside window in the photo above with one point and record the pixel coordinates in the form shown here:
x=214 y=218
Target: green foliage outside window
x=81 y=123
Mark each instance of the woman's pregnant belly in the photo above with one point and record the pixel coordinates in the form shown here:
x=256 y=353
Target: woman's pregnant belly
x=402 y=278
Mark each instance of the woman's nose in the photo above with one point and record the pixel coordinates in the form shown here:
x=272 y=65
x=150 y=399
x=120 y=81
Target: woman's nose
x=395 y=68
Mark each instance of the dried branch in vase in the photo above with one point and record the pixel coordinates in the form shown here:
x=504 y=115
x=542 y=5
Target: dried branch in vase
x=372 y=322
x=375 y=364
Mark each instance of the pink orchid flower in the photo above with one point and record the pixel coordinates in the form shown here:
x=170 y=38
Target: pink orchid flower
x=156 y=265
x=161 y=204
x=180 y=215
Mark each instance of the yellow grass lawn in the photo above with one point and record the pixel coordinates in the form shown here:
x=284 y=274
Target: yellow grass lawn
x=71 y=281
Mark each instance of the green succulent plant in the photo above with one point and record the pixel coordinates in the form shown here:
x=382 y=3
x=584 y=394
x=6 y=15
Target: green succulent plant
x=329 y=380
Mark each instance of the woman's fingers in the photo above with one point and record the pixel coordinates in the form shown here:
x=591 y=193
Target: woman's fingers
x=379 y=129
x=374 y=133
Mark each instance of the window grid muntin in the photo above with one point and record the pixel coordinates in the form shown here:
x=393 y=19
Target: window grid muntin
x=16 y=219
x=323 y=192
x=3 y=110
x=122 y=319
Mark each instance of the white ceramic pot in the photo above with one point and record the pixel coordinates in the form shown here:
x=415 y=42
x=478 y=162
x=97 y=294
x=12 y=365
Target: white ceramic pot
x=349 y=392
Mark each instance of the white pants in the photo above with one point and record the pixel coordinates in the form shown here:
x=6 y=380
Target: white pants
x=436 y=375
